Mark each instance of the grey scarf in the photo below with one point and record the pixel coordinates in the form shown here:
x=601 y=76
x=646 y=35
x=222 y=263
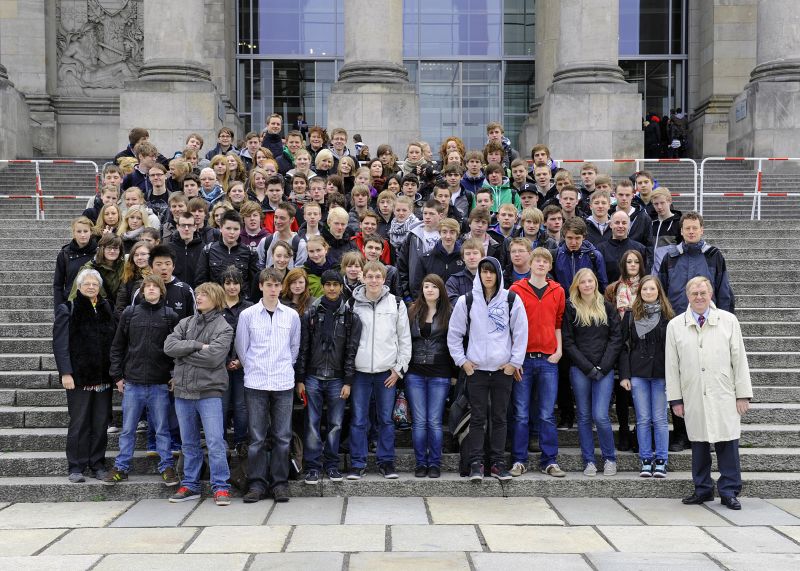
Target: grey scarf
x=652 y=315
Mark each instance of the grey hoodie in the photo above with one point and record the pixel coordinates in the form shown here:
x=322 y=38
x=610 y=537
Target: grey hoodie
x=491 y=344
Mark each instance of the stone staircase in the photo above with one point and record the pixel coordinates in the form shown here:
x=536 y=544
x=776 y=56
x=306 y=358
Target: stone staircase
x=33 y=413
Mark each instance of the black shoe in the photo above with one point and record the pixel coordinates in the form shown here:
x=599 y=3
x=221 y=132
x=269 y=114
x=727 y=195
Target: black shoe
x=434 y=472
x=476 y=472
x=252 y=496
x=499 y=471
x=388 y=471
x=565 y=424
x=624 y=441
x=694 y=499
x=676 y=445
x=420 y=471
x=730 y=502
x=281 y=493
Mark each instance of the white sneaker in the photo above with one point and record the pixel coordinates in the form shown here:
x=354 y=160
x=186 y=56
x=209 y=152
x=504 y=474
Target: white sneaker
x=590 y=470
x=609 y=468
x=112 y=429
x=518 y=469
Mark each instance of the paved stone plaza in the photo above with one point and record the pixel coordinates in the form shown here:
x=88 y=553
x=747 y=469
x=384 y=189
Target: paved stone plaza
x=402 y=533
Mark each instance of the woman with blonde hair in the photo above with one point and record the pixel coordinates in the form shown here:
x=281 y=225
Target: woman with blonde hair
x=217 y=211
x=642 y=370
x=137 y=265
x=592 y=341
x=108 y=220
x=236 y=170
x=220 y=165
x=133 y=224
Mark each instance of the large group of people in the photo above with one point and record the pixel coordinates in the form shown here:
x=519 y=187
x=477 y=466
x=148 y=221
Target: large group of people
x=219 y=292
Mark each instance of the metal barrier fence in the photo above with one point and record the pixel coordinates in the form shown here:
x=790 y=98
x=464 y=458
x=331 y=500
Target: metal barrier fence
x=39 y=195
x=757 y=194
x=637 y=167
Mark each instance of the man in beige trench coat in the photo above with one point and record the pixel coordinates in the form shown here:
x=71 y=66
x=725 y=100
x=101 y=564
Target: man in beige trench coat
x=708 y=383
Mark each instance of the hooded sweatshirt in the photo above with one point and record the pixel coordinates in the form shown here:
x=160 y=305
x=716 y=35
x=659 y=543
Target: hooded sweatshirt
x=495 y=338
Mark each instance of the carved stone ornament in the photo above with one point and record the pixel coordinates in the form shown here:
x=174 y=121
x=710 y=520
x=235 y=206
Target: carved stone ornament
x=99 y=45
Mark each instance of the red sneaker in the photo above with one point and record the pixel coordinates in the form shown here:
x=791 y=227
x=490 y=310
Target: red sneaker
x=222 y=498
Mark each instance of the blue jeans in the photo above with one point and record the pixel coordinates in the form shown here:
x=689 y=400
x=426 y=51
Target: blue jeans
x=426 y=396
x=172 y=421
x=269 y=416
x=592 y=399
x=539 y=376
x=650 y=403
x=191 y=413
x=135 y=398
x=319 y=392
x=364 y=385
x=235 y=393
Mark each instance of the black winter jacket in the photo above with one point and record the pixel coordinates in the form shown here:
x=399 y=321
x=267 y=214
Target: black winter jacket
x=439 y=262
x=642 y=356
x=137 y=353
x=231 y=315
x=187 y=258
x=613 y=250
x=82 y=337
x=216 y=258
x=432 y=350
x=335 y=361
x=69 y=262
x=590 y=346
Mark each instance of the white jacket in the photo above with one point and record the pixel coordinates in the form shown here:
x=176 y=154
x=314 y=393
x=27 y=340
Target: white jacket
x=385 y=333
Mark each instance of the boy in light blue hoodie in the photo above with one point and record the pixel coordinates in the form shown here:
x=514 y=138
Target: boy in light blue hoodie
x=487 y=337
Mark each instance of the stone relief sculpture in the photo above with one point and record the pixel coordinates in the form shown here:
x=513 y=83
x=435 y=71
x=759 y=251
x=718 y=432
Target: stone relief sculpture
x=99 y=44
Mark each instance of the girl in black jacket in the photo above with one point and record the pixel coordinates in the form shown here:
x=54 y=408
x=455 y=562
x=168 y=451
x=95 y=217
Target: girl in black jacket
x=641 y=368
x=592 y=339
x=429 y=373
x=82 y=333
x=71 y=259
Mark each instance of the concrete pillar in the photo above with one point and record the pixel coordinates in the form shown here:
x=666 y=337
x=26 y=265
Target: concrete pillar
x=173 y=95
x=15 y=139
x=372 y=95
x=590 y=111
x=763 y=121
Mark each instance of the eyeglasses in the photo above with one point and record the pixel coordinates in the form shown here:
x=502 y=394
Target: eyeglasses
x=185 y=225
x=112 y=248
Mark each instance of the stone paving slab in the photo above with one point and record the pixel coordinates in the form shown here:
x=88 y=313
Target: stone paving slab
x=308 y=511
x=792 y=531
x=60 y=514
x=755 y=511
x=635 y=562
x=528 y=562
x=754 y=539
x=791 y=506
x=437 y=538
x=154 y=513
x=168 y=562
x=660 y=539
x=122 y=540
x=26 y=541
x=543 y=539
x=338 y=538
x=366 y=510
x=50 y=562
x=750 y=561
x=240 y=539
x=518 y=510
x=405 y=561
x=238 y=513
x=667 y=511
x=4 y=505
x=593 y=511
x=295 y=561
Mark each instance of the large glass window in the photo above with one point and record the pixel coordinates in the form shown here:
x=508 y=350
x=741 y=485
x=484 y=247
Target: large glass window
x=309 y=27
x=519 y=37
x=443 y=28
x=650 y=27
x=661 y=83
x=518 y=93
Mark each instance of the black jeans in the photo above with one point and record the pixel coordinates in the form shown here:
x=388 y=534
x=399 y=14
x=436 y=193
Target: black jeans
x=566 y=408
x=87 y=437
x=485 y=389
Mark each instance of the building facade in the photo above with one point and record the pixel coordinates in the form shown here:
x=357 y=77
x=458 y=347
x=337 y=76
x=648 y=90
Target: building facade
x=82 y=68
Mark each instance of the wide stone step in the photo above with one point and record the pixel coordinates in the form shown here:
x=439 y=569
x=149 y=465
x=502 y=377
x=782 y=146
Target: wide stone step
x=768 y=288
x=41 y=290
x=770 y=343
x=773 y=359
x=755 y=262
x=36 y=464
x=767 y=376
x=31 y=255
x=25 y=345
x=744 y=251
x=27 y=379
x=26 y=329
x=625 y=484
x=25 y=315
x=773 y=394
x=744 y=235
x=40 y=277
x=770 y=328
x=25 y=362
x=50 y=243
x=27 y=301
x=28 y=265
x=746 y=314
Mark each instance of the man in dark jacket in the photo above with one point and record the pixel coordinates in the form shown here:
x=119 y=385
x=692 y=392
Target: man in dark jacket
x=325 y=367
x=620 y=242
x=640 y=228
x=458 y=284
x=178 y=295
x=576 y=253
x=420 y=240
x=666 y=225
x=187 y=247
x=142 y=373
x=228 y=251
x=445 y=258
x=273 y=141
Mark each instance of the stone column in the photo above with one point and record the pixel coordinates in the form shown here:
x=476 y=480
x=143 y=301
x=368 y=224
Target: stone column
x=372 y=95
x=763 y=121
x=173 y=95
x=590 y=111
x=15 y=121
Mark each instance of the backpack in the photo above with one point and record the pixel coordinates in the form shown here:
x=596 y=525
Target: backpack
x=295 y=245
